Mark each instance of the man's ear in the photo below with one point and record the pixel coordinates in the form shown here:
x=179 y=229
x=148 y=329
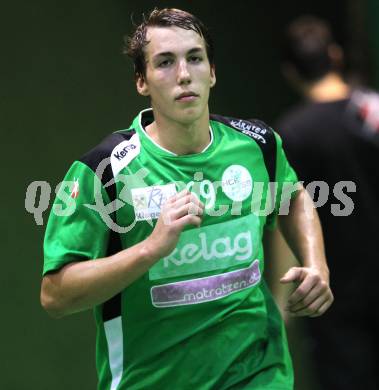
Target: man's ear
x=142 y=86
x=213 y=75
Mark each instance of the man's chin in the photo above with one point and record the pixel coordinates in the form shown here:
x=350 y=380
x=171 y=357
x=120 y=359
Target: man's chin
x=190 y=115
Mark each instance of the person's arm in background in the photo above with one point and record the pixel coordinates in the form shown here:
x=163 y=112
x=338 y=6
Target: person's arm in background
x=302 y=230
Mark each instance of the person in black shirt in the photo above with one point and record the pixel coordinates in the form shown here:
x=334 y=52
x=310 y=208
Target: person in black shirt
x=332 y=137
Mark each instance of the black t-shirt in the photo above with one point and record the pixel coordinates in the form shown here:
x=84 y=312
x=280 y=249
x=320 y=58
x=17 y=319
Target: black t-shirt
x=333 y=142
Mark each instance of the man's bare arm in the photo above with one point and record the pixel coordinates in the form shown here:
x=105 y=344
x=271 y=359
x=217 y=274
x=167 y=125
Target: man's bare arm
x=302 y=231
x=81 y=285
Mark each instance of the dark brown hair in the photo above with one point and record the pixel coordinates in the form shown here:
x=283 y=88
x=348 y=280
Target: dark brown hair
x=167 y=17
x=306 y=45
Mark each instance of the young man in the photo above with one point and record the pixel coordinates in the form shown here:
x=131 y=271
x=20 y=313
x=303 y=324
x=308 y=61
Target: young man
x=173 y=262
x=333 y=135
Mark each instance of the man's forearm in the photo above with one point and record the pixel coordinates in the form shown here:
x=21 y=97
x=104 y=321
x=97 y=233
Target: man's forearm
x=302 y=231
x=81 y=285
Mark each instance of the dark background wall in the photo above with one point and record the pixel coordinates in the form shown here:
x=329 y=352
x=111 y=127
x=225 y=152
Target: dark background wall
x=65 y=85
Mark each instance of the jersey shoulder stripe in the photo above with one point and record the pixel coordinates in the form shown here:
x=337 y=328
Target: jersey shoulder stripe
x=112 y=145
x=259 y=132
x=116 y=146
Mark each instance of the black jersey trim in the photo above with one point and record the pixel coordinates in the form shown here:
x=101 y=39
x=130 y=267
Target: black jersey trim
x=111 y=308
x=102 y=151
x=258 y=131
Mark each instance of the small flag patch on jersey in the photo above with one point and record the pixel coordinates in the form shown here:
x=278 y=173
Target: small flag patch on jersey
x=75 y=191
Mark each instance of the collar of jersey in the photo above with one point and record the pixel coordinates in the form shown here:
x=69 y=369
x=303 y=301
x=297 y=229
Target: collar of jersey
x=150 y=143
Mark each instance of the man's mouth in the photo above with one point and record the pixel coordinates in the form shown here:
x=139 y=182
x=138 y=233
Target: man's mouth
x=187 y=96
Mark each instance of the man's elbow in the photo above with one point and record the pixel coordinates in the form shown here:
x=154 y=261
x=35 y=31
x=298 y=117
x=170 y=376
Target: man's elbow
x=51 y=307
x=51 y=300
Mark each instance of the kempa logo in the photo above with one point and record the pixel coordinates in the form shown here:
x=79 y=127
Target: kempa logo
x=123 y=152
x=241 y=248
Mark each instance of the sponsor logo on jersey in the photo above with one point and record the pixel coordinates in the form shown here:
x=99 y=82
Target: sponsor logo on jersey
x=237 y=183
x=124 y=153
x=250 y=129
x=206 y=289
x=75 y=191
x=212 y=247
x=120 y=154
x=148 y=201
x=238 y=247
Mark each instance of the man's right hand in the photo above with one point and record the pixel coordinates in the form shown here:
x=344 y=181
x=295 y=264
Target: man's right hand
x=181 y=210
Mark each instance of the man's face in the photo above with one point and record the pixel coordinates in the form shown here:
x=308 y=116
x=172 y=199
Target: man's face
x=178 y=74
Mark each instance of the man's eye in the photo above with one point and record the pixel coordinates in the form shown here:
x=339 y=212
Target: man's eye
x=164 y=64
x=195 y=59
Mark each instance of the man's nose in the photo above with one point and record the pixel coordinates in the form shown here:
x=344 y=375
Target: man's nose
x=183 y=75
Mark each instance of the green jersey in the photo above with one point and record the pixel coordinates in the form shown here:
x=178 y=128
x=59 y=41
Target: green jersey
x=202 y=317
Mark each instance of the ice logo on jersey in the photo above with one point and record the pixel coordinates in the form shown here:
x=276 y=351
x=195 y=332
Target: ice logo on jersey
x=237 y=183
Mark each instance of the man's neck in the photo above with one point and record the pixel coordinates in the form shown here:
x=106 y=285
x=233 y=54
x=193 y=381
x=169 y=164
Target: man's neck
x=330 y=88
x=180 y=138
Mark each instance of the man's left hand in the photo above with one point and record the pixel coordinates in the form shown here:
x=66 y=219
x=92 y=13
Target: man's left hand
x=313 y=295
